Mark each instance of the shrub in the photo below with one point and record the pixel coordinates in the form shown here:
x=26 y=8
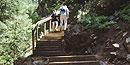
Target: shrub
x=92 y=20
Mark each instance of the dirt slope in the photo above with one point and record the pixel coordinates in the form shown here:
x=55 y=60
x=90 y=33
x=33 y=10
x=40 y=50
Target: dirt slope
x=101 y=42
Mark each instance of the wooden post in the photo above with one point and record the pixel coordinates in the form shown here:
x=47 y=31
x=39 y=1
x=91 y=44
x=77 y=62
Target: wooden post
x=50 y=26
x=36 y=34
x=44 y=28
x=33 y=41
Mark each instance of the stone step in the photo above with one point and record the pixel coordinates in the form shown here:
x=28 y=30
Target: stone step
x=49 y=53
x=49 y=43
x=75 y=63
x=72 y=58
x=49 y=48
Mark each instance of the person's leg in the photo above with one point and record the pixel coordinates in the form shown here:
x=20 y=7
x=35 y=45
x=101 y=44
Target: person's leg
x=53 y=25
x=56 y=26
x=65 y=23
x=61 y=21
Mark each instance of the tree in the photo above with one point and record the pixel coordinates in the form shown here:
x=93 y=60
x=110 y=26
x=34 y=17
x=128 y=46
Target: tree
x=15 y=29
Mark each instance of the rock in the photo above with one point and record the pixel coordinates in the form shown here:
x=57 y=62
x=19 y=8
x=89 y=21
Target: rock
x=39 y=62
x=101 y=63
x=76 y=30
x=27 y=63
x=127 y=40
x=76 y=39
x=113 y=53
x=128 y=57
x=111 y=17
x=95 y=37
x=116 y=45
x=112 y=40
x=127 y=44
x=124 y=34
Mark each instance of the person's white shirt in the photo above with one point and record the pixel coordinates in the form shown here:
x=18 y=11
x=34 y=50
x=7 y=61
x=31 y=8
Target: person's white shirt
x=66 y=10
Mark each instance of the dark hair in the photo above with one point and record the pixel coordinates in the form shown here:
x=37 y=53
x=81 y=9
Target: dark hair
x=65 y=4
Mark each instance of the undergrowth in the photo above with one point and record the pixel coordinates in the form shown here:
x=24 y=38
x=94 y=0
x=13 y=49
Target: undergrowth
x=92 y=20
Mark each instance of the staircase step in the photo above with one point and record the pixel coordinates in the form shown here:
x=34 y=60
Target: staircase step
x=75 y=63
x=48 y=53
x=49 y=48
x=49 y=43
x=51 y=38
x=73 y=58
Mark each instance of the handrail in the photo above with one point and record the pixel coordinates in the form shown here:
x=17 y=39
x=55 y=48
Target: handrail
x=35 y=28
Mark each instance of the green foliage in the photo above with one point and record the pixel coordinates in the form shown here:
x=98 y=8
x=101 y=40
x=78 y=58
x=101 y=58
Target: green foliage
x=92 y=20
x=52 y=5
x=101 y=7
x=106 y=7
x=124 y=14
x=16 y=17
x=47 y=6
x=6 y=60
x=35 y=17
x=5 y=10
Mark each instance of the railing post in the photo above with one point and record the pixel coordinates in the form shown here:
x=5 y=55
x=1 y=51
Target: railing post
x=33 y=41
x=50 y=25
x=36 y=33
x=44 y=28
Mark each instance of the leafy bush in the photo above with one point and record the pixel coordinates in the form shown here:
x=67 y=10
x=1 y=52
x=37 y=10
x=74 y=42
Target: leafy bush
x=92 y=20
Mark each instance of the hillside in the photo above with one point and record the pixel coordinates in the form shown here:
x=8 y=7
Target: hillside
x=111 y=44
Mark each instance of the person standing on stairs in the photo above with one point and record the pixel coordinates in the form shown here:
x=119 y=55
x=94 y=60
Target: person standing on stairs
x=55 y=20
x=64 y=15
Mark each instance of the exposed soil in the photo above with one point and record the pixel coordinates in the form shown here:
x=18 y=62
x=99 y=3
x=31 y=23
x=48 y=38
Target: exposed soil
x=100 y=42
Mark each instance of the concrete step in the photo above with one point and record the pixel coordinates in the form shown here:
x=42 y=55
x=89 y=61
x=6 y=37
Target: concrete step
x=75 y=63
x=72 y=58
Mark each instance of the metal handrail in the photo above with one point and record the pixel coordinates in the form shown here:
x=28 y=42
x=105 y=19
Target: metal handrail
x=35 y=28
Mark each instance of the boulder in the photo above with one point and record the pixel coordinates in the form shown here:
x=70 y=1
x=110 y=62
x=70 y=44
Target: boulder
x=76 y=39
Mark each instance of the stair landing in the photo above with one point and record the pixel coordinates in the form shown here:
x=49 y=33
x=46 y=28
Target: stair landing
x=53 y=36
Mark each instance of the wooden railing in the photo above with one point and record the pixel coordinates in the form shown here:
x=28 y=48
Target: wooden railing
x=35 y=28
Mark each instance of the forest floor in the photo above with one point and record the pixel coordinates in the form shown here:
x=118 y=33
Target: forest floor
x=113 y=45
